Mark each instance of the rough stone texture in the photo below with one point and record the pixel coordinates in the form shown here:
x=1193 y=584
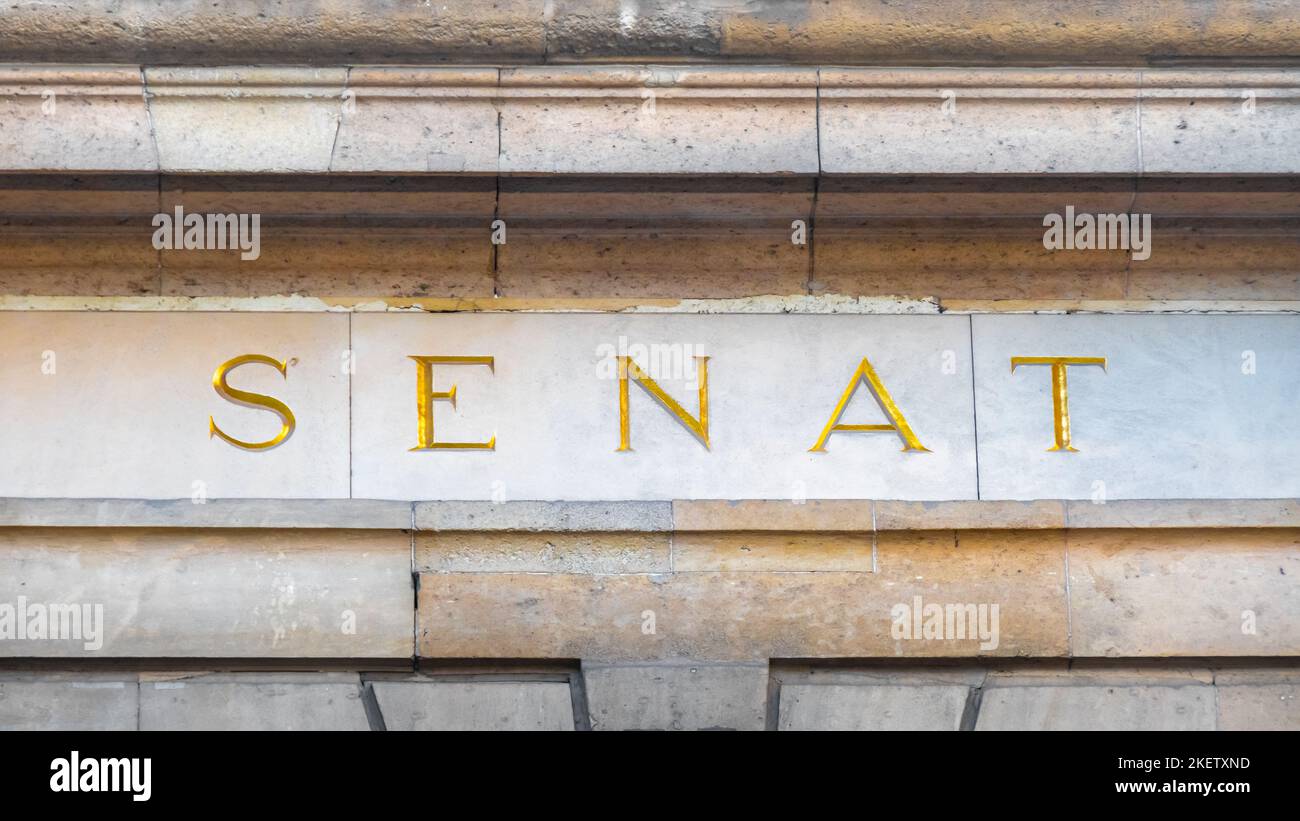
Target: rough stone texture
x=718 y=258
x=516 y=552
x=340 y=261
x=253 y=701
x=1142 y=593
x=1179 y=513
x=633 y=120
x=68 y=701
x=1065 y=121
x=1188 y=707
x=871 y=707
x=755 y=615
x=424 y=704
x=535 y=31
x=61 y=117
x=216 y=593
x=598 y=517
x=1220 y=123
x=418 y=120
x=766 y=550
x=354 y=514
x=245 y=119
x=769 y=514
x=681 y=696
x=981 y=515
x=1259 y=707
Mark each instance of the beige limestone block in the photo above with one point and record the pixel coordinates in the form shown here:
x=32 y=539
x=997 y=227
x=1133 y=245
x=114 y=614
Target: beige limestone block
x=421 y=120
x=1240 y=121
x=772 y=514
x=215 y=594
x=56 y=118
x=960 y=259
x=514 y=552
x=1008 y=121
x=340 y=261
x=91 y=259
x=246 y=119
x=1185 y=592
x=768 y=550
x=990 y=515
x=753 y=615
x=658 y=119
x=678 y=260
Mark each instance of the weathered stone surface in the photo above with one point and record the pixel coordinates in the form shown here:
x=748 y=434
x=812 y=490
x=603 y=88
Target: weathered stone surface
x=1184 y=513
x=1185 y=592
x=871 y=707
x=60 y=117
x=677 y=696
x=216 y=593
x=770 y=514
x=1097 y=708
x=646 y=120
x=959 y=259
x=148 y=379
x=516 y=552
x=1176 y=413
x=68 y=701
x=981 y=515
x=85 y=259
x=245 y=119
x=440 y=120
x=655 y=260
x=600 y=517
x=958 y=120
x=426 y=704
x=352 y=514
x=253 y=701
x=768 y=550
x=748 y=616
x=1259 y=707
x=1220 y=122
x=839 y=32
x=341 y=261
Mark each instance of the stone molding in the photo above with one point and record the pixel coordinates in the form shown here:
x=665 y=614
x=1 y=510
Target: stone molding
x=656 y=120
x=872 y=32
x=651 y=517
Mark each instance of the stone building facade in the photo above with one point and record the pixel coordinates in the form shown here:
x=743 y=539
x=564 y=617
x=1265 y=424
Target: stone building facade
x=561 y=209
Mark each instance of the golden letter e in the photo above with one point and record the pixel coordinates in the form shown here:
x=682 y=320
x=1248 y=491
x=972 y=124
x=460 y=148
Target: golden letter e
x=425 y=394
x=1060 y=392
x=252 y=400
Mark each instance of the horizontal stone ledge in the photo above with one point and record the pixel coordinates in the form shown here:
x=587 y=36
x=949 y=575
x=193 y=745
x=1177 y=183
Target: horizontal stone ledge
x=780 y=515
x=358 y=514
x=1113 y=32
x=632 y=119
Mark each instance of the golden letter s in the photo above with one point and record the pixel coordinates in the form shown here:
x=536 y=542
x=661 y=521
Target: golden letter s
x=251 y=400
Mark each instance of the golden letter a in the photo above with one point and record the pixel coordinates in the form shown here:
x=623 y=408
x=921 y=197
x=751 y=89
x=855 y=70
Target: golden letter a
x=867 y=374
